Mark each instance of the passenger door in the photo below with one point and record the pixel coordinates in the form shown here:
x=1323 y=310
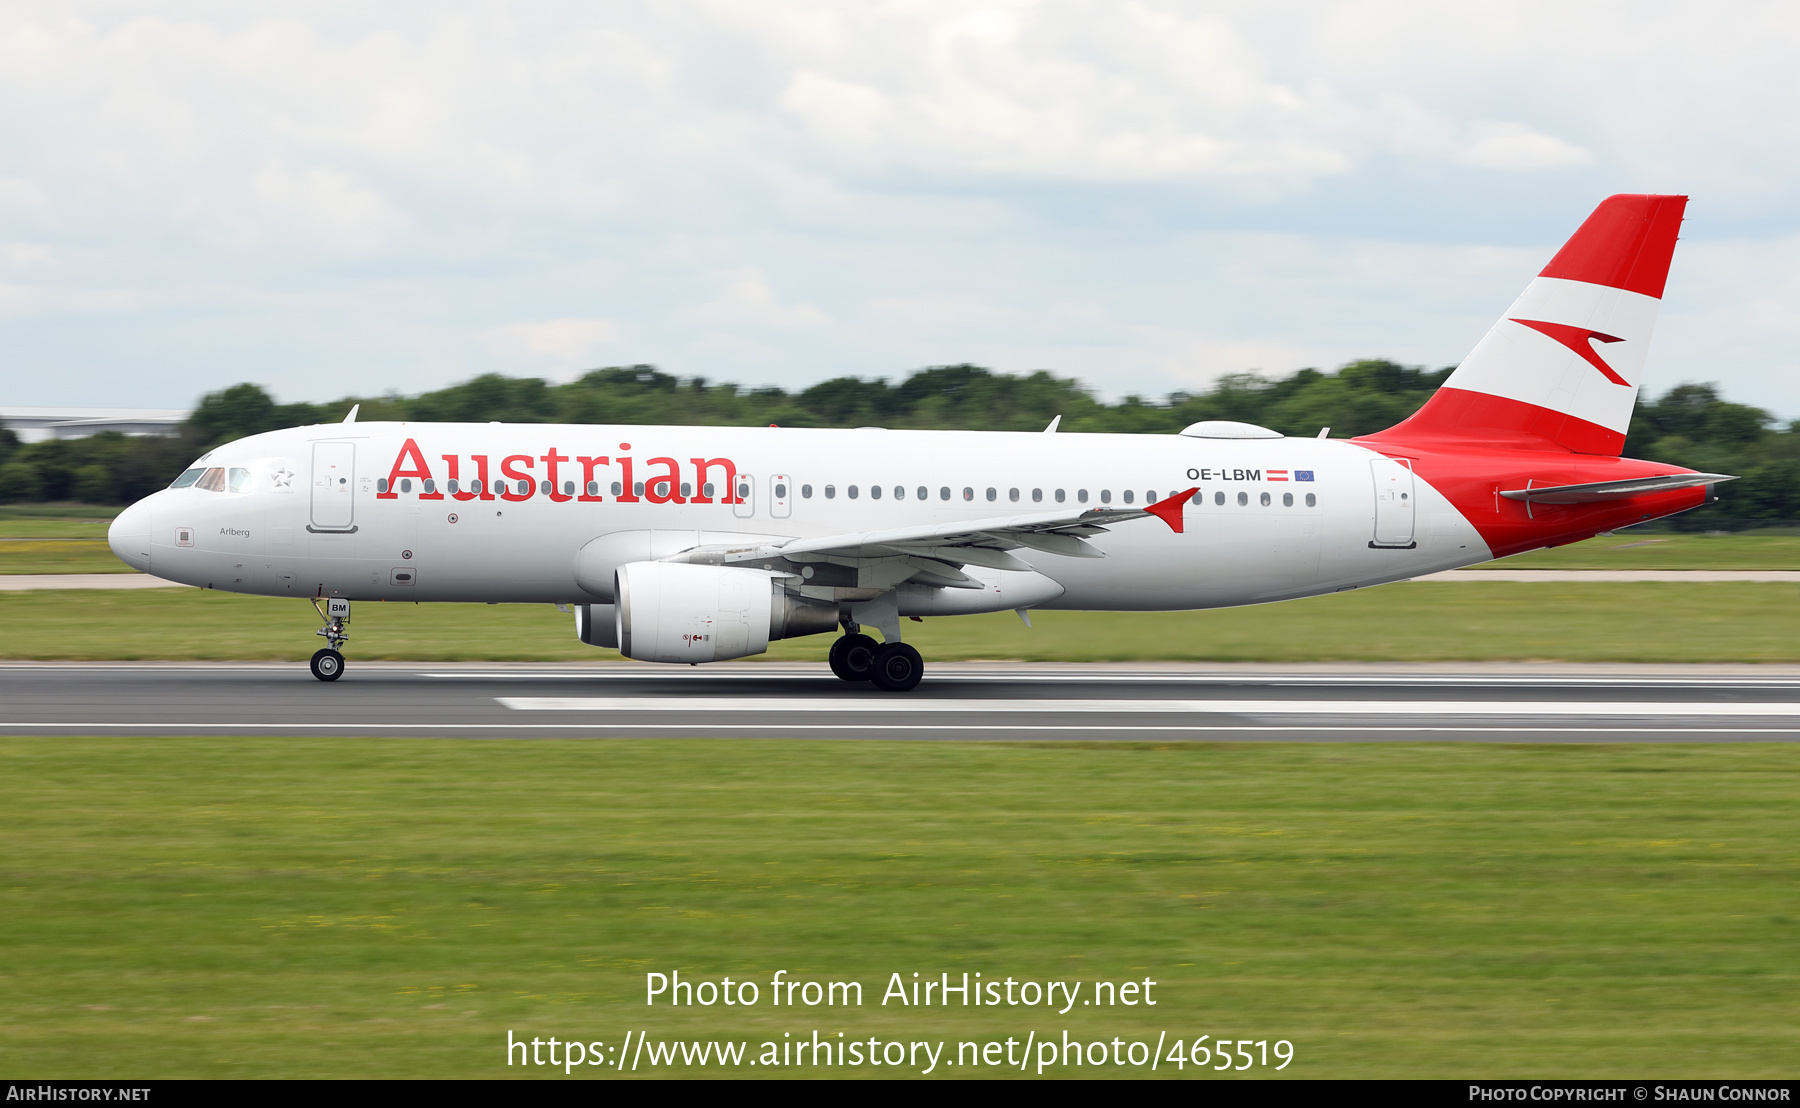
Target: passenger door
x=333 y=486
x=1393 y=503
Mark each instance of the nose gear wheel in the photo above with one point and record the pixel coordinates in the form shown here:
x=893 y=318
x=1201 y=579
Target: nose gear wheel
x=328 y=665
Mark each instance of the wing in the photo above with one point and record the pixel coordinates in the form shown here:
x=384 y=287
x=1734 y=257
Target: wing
x=936 y=553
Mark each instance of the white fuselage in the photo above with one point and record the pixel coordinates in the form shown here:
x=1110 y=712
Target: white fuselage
x=308 y=511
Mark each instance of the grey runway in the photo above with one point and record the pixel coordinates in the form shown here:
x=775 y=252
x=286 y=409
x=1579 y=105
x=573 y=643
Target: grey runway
x=968 y=701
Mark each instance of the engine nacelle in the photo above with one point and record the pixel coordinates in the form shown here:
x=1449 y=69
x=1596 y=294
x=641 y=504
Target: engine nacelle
x=597 y=625
x=675 y=612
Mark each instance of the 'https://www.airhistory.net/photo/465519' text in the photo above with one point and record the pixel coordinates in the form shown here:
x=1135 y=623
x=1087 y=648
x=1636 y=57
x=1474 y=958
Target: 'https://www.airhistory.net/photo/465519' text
x=1033 y=1050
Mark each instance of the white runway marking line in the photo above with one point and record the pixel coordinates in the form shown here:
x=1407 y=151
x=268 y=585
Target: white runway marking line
x=896 y=706
x=1283 y=680
x=1033 y=728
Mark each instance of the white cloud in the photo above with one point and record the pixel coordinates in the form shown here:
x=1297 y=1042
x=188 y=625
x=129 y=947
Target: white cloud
x=1518 y=147
x=1147 y=192
x=571 y=342
x=748 y=300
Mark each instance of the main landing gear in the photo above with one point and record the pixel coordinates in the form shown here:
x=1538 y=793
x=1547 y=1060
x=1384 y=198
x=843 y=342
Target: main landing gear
x=890 y=666
x=328 y=664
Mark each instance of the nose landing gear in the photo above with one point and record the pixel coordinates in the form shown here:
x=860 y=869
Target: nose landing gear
x=328 y=664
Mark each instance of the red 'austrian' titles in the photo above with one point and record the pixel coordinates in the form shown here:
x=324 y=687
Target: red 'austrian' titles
x=660 y=482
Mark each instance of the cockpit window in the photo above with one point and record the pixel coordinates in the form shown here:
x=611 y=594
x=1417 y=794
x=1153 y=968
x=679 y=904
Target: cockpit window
x=186 y=479
x=213 y=480
x=240 y=480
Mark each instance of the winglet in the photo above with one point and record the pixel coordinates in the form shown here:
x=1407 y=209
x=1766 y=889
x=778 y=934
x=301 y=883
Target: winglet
x=1168 y=509
x=351 y=418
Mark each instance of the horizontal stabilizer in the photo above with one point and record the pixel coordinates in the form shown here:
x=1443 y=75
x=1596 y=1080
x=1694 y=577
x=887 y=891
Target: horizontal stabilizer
x=1613 y=490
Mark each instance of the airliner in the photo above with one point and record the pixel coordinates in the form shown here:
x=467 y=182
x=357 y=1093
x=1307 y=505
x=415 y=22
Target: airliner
x=698 y=544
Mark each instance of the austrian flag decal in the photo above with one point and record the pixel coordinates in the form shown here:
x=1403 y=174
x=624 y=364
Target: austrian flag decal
x=1278 y=474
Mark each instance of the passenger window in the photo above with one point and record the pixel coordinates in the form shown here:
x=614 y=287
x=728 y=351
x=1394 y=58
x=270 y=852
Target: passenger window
x=1243 y=499
x=451 y=486
x=968 y=493
x=706 y=490
x=568 y=488
x=1037 y=495
x=1106 y=496
x=187 y=478
x=991 y=494
x=499 y=486
x=944 y=493
x=780 y=490
x=687 y=490
x=806 y=492
x=593 y=488
x=1059 y=496
x=543 y=488
x=1287 y=500
x=1012 y=495
x=1265 y=500
x=830 y=491
x=1218 y=498
x=1127 y=496
x=524 y=487
x=743 y=491
x=1150 y=497
x=406 y=484
x=1081 y=495
x=852 y=491
x=381 y=484
x=899 y=492
x=430 y=484
x=1310 y=500
x=240 y=480
x=637 y=488
x=618 y=489
x=874 y=492
x=925 y=493
x=213 y=480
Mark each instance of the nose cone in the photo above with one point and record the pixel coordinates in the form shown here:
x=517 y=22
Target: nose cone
x=129 y=536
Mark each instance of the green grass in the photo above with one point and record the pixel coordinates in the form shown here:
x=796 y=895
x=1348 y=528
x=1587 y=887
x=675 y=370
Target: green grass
x=58 y=556
x=1580 y=622
x=56 y=520
x=391 y=908
x=1751 y=550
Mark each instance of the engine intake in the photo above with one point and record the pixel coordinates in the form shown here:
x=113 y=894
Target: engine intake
x=675 y=612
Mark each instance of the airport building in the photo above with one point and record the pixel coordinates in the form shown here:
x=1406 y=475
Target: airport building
x=41 y=424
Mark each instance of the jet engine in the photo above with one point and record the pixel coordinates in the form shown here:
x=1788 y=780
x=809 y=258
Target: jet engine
x=675 y=612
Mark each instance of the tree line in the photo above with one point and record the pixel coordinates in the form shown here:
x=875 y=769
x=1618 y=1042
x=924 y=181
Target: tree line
x=1690 y=425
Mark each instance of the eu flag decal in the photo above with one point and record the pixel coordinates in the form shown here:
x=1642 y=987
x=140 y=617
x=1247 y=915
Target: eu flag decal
x=1303 y=474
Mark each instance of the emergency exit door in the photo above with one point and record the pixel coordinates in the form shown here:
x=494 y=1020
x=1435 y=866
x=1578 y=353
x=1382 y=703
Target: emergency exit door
x=745 y=507
x=333 y=486
x=1393 y=503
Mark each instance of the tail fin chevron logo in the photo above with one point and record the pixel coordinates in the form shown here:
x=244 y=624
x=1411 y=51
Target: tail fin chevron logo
x=1580 y=340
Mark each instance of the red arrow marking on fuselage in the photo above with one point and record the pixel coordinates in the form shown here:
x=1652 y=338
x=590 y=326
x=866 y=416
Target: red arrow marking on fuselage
x=1168 y=509
x=1580 y=340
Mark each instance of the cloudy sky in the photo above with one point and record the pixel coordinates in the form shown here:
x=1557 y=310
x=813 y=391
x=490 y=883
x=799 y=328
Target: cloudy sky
x=1142 y=194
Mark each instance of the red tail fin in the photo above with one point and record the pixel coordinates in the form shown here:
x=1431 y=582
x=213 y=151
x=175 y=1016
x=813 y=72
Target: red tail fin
x=1537 y=380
